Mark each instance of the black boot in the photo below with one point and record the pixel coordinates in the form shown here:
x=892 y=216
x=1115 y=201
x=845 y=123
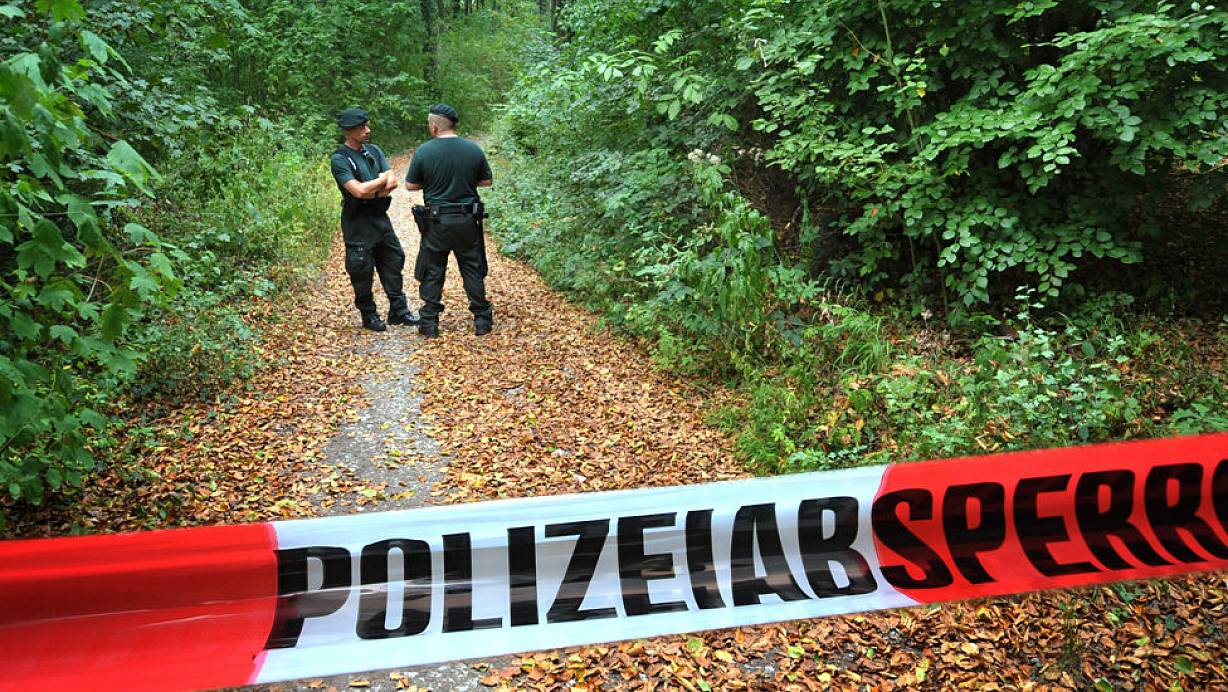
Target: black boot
x=373 y=322
x=406 y=318
x=481 y=327
x=428 y=329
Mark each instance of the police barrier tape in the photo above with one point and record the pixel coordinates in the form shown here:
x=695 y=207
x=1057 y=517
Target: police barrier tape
x=218 y=606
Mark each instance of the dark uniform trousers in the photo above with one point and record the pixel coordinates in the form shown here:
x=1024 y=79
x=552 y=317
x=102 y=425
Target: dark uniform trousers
x=460 y=234
x=371 y=245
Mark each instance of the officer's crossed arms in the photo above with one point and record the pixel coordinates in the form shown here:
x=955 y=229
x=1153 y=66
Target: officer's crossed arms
x=380 y=187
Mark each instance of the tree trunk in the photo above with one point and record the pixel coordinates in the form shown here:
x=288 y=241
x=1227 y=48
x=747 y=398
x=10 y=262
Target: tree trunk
x=430 y=69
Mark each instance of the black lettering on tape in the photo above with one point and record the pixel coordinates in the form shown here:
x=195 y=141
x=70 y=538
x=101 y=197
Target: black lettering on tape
x=967 y=541
x=522 y=575
x=819 y=551
x=892 y=532
x=699 y=560
x=458 y=587
x=1098 y=525
x=1219 y=493
x=295 y=603
x=1037 y=532
x=757 y=524
x=636 y=569
x=580 y=569
x=416 y=601
x=1166 y=518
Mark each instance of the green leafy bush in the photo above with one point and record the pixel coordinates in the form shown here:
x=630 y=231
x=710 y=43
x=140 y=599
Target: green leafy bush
x=708 y=174
x=963 y=149
x=479 y=58
x=74 y=270
x=254 y=217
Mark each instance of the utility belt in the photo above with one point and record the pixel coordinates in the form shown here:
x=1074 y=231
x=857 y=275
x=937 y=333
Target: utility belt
x=425 y=214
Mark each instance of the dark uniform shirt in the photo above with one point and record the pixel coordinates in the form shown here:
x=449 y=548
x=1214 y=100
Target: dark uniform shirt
x=370 y=162
x=448 y=169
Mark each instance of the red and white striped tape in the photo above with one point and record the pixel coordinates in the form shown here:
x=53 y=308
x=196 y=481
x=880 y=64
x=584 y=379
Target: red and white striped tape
x=219 y=606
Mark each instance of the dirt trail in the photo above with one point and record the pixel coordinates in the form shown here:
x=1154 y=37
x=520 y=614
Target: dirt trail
x=382 y=457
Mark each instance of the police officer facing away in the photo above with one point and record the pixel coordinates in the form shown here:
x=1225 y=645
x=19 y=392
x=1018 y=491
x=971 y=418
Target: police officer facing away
x=366 y=182
x=448 y=170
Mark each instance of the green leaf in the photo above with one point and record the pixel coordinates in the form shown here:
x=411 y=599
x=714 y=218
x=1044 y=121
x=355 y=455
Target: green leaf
x=144 y=284
x=57 y=295
x=139 y=235
x=64 y=333
x=11 y=11
x=61 y=9
x=96 y=46
x=161 y=264
x=25 y=327
x=114 y=317
x=126 y=161
x=1183 y=665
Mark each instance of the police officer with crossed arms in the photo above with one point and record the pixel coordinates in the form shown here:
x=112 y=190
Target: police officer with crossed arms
x=366 y=182
x=448 y=170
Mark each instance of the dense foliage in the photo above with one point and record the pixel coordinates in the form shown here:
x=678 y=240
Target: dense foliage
x=770 y=189
x=163 y=162
x=1008 y=141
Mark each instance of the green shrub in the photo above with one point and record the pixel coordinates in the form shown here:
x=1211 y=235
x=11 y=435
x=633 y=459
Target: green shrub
x=74 y=268
x=253 y=212
x=480 y=57
x=968 y=150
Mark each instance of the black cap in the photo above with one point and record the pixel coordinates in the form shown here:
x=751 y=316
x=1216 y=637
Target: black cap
x=351 y=117
x=446 y=111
